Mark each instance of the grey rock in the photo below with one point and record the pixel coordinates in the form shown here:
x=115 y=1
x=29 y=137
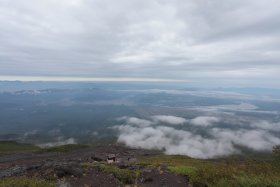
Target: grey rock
x=66 y=169
x=13 y=171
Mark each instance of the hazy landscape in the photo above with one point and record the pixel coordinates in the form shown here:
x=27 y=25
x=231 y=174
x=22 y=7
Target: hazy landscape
x=133 y=93
x=196 y=122
x=87 y=121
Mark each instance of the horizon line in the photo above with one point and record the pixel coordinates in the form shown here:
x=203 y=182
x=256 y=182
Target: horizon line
x=86 y=79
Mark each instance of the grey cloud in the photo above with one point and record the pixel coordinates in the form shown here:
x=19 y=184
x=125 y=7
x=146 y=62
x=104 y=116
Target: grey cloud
x=238 y=107
x=244 y=99
x=235 y=41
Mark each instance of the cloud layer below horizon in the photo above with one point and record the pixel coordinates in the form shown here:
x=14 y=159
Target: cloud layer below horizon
x=235 y=41
x=174 y=135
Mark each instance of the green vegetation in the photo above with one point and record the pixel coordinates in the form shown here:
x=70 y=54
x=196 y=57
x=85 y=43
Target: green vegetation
x=183 y=170
x=26 y=182
x=229 y=172
x=124 y=175
x=62 y=148
x=276 y=153
x=12 y=146
x=88 y=165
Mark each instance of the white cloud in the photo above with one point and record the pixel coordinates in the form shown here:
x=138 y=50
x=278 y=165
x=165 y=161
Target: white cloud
x=256 y=139
x=157 y=119
x=266 y=125
x=204 y=121
x=173 y=141
x=217 y=142
x=58 y=143
x=30 y=133
x=173 y=120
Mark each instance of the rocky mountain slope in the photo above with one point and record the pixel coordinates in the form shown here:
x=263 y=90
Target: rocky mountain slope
x=24 y=165
x=88 y=167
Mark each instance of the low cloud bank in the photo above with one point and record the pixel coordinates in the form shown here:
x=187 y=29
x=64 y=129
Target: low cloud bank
x=173 y=141
x=173 y=120
x=265 y=125
x=204 y=121
x=58 y=143
x=170 y=120
x=157 y=119
x=217 y=142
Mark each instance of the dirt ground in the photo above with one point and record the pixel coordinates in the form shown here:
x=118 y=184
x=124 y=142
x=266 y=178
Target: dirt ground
x=67 y=168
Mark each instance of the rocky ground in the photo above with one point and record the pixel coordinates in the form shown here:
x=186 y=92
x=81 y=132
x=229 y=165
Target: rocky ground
x=88 y=167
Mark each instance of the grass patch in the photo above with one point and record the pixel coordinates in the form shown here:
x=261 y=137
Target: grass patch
x=124 y=175
x=225 y=172
x=183 y=170
x=248 y=182
x=26 y=182
x=62 y=148
x=12 y=146
x=87 y=166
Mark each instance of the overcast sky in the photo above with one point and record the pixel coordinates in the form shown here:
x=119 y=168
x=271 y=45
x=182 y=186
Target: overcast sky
x=218 y=42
